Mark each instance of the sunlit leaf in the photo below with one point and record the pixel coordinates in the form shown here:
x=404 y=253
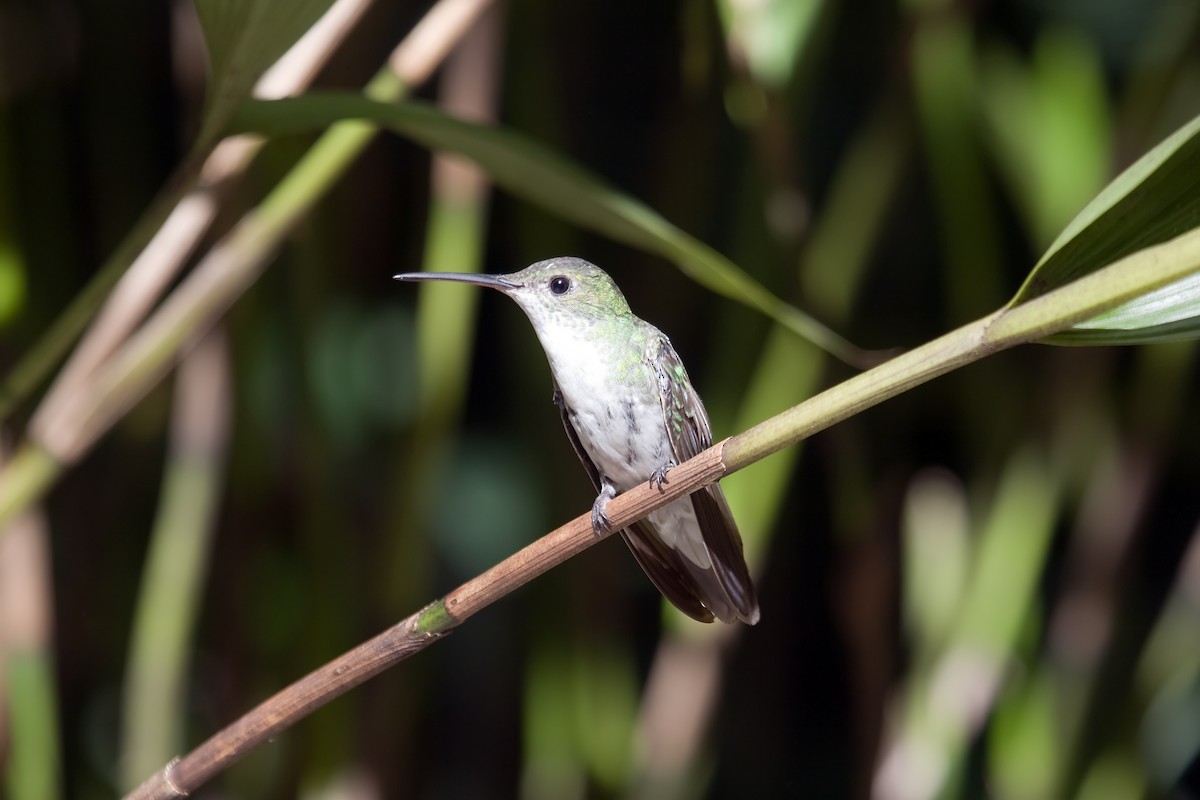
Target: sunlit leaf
x=1167 y=314
x=537 y=174
x=770 y=35
x=244 y=37
x=1154 y=200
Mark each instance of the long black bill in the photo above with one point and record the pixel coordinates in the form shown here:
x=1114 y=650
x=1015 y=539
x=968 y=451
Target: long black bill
x=498 y=282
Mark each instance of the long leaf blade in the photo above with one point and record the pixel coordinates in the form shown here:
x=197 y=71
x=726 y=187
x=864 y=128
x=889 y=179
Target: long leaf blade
x=1156 y=199
x=1171 y=313
x=534 y=173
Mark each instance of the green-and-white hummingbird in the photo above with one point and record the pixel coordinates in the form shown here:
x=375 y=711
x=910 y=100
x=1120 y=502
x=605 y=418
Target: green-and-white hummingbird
x=631 y=414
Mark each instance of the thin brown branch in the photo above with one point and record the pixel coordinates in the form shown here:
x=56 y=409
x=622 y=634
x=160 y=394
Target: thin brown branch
x=183 y=776
x=576 y=536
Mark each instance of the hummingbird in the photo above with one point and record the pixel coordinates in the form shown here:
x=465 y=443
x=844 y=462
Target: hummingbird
x=631 y=415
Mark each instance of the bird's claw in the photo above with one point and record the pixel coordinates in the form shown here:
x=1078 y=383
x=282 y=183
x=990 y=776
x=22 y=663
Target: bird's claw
x=601 y=525
x=659 y=476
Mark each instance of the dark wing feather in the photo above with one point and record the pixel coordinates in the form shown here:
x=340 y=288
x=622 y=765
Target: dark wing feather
x=690 y=433
x=665 y=569
x=660 y=563
x=725 y=548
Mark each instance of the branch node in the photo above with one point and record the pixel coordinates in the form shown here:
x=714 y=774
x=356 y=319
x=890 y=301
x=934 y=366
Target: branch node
x=433 y=621
x=169 y=778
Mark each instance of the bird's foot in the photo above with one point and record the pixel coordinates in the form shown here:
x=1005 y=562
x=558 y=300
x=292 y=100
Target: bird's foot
x=600 y=522
x=659 y=476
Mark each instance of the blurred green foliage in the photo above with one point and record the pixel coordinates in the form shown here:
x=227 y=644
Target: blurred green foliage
x=988 y=585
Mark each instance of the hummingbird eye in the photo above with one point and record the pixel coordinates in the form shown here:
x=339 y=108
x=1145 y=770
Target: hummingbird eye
x=559 y=284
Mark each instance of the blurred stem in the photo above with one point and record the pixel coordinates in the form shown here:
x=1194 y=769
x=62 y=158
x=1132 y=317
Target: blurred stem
x=24 y=479
x=935 y=730
x=162 y=258
x=33 y=762
x=859 y=199
x=176 y=564
x=1167 y=674
x=226 y=272
x=28 y=700
x=208 y=291
x=48 y=352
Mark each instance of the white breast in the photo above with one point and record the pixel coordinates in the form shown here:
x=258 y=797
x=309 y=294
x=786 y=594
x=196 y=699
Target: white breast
x=619 y=419
x=620 y=424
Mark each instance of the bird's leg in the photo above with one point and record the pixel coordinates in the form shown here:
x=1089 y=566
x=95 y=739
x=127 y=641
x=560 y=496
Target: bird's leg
x=659 y=476
x=600 y=521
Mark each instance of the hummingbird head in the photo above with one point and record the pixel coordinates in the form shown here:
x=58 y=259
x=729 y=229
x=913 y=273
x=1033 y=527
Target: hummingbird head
x=556 y=293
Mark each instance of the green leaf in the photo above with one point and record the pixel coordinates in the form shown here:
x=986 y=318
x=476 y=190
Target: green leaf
x=1156 y=199
x=1153 y=201
x=1170 y=313
x=772 y=35
x=244 y=37
x=537 y=174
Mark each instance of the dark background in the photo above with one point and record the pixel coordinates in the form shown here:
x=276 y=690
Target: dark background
x=921 y=155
